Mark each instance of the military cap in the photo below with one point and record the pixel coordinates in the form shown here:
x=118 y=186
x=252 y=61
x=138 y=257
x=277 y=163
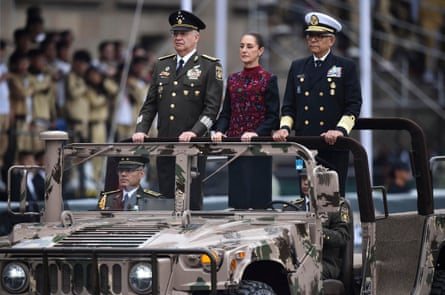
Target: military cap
x=321 y=23
x=182 y=20
x=131 y=162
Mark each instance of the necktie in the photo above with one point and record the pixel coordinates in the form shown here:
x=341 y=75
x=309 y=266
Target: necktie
x=124 y=200
x=180 y=65
x=318 y=63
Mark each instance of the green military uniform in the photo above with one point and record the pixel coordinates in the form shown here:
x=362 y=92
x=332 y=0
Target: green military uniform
x=335 y=236
x=188 y=101
x=185 y=101
x=113 y=200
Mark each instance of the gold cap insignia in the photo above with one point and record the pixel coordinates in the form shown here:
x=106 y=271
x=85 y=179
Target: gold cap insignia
x=179 y=18
x=314 y=20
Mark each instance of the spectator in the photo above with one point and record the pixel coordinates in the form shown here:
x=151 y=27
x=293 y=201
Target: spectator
x=400 y=177
x=77 y=106
x=106 y=62
x=43 y=98
x=431 y=18
x=251 y=109
x=5 y=109
x=22 y=44
x=132 y=100
x=100 y=92
x=21 y=101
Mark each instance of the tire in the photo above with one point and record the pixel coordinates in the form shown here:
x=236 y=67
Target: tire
x=253 y=288
x=438 y=286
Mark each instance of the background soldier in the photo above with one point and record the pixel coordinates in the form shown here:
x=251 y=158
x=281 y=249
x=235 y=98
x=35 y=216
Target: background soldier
x=186 y=94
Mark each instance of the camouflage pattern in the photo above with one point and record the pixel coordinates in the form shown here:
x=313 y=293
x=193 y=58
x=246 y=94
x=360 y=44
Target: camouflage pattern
x=292 y=241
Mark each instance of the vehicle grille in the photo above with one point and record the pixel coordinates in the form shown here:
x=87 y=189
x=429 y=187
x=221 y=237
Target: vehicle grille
x=79 y=275
x=110 y=236
x=80 y=278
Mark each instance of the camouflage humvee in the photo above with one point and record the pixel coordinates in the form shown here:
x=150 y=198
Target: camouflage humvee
x=173 y=250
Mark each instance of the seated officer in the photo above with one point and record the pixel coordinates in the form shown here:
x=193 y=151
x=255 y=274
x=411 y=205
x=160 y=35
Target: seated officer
x=335 y=231
x=130 y=173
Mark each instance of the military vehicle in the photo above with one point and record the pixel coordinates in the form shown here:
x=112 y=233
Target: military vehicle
x=162 y=247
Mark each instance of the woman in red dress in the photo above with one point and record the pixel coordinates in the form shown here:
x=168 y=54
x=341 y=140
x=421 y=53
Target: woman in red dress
x=250 y=109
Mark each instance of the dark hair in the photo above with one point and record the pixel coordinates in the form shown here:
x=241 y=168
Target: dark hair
x=104 y=44
x=258 y=38
x=36 y=52
x=20 y=33
x=82 y=55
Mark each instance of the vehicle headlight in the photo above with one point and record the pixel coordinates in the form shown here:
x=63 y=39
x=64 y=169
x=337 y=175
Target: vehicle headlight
x=218 y=255
x=203 y=260
x=140 y=277
x=15 y=277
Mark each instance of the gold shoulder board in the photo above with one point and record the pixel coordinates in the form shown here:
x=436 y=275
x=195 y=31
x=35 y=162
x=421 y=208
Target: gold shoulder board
x=297 y=201
x=110 y=192
x=167 y=56
x=210 y=57
x=152 y=193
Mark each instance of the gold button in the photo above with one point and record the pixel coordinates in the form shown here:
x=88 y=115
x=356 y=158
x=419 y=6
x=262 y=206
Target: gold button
x=172 y=106
x=306 y=93
x=321 y=123
x=321 y=93
x=306 y=122
x=192 y=85
x=175 y=83
x=173 y=94
x=329 y=79
x=306 y=108
x=172 y=118
x=321 y=108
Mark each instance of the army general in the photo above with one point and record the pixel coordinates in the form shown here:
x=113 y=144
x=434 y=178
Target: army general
x=186 y=95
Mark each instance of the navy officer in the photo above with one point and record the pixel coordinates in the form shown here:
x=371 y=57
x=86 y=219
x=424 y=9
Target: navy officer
x=322 y=95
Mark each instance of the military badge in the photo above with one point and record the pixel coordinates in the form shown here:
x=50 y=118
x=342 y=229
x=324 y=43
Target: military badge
x=194 y=74
x=314 y=20
x=219 y=74
x=344 y=214
x=335 y=72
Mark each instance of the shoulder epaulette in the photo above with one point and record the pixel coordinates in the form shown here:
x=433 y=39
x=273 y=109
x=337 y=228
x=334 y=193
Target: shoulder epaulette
x=210 y=57
x=297 y=201
x=167 y=56
x=152 y=193
x=110 y=192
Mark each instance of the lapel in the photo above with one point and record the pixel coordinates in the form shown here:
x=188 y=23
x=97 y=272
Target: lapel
x=190 y=64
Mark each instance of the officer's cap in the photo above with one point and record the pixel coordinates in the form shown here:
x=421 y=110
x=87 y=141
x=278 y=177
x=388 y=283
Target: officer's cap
x=321 y=23
x=131 y=162
x=182 y=20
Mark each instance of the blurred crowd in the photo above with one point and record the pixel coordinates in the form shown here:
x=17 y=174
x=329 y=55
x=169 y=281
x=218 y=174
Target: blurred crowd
x=46 y=84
